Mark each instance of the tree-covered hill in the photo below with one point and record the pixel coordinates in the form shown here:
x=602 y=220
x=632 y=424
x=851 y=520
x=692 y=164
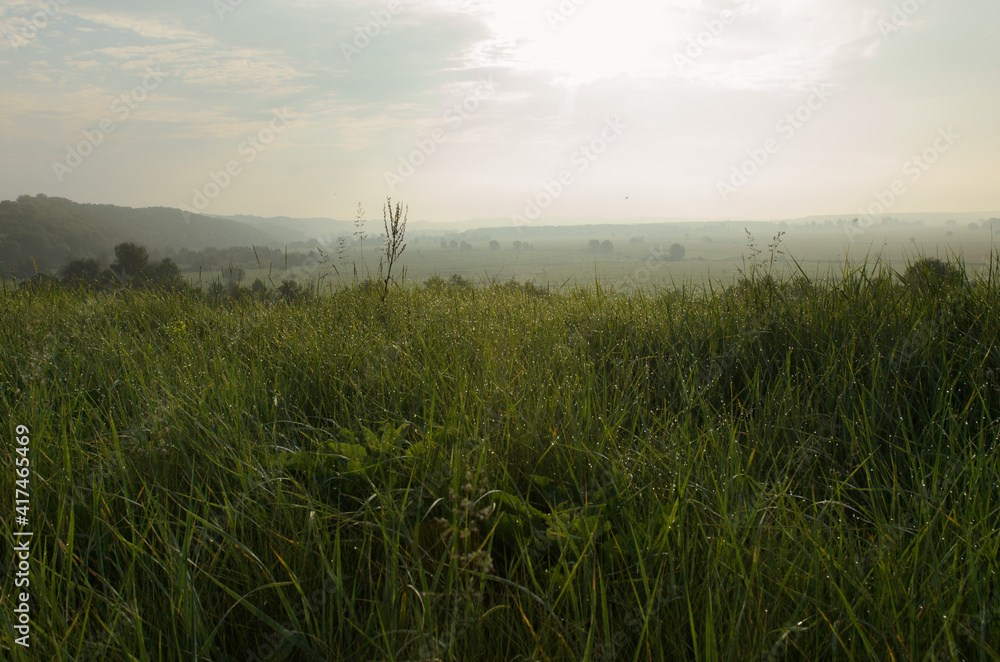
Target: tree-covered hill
x=52 y=231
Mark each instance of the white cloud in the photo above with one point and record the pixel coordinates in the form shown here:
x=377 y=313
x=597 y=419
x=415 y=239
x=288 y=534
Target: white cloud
x=192 y=57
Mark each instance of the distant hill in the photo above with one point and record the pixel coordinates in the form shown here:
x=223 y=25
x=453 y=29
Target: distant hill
x=52 y=231
x=325 y=230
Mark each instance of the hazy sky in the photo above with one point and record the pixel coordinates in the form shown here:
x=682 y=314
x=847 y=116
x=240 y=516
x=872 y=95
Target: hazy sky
x=474 y=108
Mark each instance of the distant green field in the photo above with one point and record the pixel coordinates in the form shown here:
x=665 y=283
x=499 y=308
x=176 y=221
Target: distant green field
x=555 y=261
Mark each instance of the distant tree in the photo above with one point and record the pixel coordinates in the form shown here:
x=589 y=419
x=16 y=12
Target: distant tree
x=444 y=244
x=975 y=226
x=453 y=245
x=258 y=290
x=636 y=240
x=677 y=252
x=460 y=282
x=594 y=245
x=517 y=245
x=36 y=249
x=10 y=251
x=165 y=274
x=130 y=260
x=84 y=270
x=494 y=245
x=165 y=269
x=607 y=247
x=466 y=246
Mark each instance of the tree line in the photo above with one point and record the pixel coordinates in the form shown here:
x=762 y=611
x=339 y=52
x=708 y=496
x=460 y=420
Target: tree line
x=41 y=232
x=132 y=268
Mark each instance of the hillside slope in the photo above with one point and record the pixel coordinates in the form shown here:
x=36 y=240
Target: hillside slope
x=53 y=230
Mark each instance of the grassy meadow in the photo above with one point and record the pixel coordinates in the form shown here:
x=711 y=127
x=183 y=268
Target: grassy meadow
x=782 y=468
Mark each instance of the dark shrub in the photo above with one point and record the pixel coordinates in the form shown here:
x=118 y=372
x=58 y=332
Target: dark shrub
x=290 y=291
x=929 y=275
x=84 y=270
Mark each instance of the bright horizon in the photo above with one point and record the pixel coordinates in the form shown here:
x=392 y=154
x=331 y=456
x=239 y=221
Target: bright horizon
x=468 y=109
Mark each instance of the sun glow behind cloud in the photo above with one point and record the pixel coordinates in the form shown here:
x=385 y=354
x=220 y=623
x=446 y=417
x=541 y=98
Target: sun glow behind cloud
x=597 y=40
x=727 y=43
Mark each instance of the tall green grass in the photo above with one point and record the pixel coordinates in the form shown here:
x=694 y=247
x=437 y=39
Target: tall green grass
x=781 y=468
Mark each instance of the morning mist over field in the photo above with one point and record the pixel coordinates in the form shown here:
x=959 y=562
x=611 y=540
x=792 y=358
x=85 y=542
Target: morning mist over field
x=582 y=109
